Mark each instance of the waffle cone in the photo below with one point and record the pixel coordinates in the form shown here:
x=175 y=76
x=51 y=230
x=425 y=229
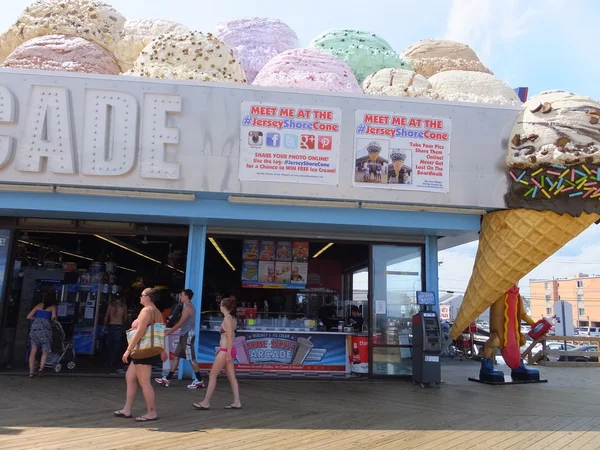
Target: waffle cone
x=511 y=244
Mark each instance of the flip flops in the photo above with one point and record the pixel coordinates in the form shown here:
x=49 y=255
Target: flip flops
x=145 y=419
x=232 y=407
x=199 y=407
x=120 y=414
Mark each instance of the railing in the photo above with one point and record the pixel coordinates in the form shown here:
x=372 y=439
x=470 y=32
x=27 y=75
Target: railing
x=547 y=357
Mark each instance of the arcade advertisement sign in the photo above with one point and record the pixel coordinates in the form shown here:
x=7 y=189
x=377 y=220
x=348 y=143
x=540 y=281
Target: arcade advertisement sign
x=279 y=351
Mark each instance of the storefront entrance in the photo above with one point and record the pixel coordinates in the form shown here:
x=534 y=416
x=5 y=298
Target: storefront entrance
x=84 y=268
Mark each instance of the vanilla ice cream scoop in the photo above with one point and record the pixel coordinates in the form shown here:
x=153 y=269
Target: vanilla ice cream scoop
x=192 y=56
x=434 y=56
x=256 y=40
x=556 y=127
x=308 y=69
x=398 y=83
x=64 y=54
x=136 y=34
x=465 y=86
x=91 y=20
x=365 y=52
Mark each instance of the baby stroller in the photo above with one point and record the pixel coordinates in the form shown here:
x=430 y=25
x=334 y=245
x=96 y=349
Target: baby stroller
x=62 y=352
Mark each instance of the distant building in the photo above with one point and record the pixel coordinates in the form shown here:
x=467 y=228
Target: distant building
x=450 y=304
x=581 y=290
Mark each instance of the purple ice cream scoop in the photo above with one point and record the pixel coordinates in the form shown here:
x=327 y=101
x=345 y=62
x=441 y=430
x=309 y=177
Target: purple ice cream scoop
x=256 y=40
x=308 y=69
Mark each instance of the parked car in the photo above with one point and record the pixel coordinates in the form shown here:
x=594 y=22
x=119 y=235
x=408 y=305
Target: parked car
x=552 y=346
x=583 y=348
x=589 y=331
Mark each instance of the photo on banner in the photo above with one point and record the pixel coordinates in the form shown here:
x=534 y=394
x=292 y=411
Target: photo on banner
x=403 y=152
x=289 y=143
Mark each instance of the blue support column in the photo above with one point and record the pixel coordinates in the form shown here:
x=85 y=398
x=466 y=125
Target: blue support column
x=194 y=276
x=431 y=267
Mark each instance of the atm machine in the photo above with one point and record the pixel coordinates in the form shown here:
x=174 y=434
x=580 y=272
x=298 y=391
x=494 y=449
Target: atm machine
x=427 y=342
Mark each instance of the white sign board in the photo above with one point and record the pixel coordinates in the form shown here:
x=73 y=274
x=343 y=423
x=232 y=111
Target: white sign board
x=401 y=151
x=289 y=143
x=444 y=312
x=380 y=307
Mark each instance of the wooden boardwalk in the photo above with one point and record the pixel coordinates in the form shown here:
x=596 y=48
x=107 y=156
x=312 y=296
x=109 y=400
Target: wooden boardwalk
x=58 y=412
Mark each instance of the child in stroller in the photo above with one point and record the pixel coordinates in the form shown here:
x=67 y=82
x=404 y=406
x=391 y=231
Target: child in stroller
x=62 y=351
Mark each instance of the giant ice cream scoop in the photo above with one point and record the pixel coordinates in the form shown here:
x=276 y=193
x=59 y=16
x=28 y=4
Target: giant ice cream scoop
x=434 y=56
x=365 y=52
x=92 y=20
x=398 y=83
x=256 y=40
x=191 y=56
x=137 y=34
x=308 y=69
x=63 y=54
x=477 y=87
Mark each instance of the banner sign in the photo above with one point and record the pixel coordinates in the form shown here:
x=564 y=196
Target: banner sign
x=403 y=152
x=289 y=143
x=274 y=264
x=279 y=351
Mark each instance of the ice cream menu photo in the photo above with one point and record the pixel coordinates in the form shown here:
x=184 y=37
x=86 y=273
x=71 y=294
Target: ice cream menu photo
x=289 y=143
x=399 y=151
x=274 y=264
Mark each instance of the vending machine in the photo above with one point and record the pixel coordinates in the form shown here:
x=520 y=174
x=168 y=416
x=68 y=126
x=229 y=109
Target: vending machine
x=427 y=342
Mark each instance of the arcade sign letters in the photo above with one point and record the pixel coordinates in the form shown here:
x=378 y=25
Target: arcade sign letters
x=111 y=136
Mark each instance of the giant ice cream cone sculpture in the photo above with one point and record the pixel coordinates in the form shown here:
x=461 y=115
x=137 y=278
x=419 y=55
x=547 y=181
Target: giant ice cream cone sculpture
x=554 y=147
x=511 y=244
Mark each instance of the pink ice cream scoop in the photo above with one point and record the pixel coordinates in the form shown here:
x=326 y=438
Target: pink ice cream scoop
x=308 y=69
x=256 y=40
x=63 y=54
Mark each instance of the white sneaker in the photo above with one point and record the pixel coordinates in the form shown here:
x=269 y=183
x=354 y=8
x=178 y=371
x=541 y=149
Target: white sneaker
x=163 y=381
x=196 y=385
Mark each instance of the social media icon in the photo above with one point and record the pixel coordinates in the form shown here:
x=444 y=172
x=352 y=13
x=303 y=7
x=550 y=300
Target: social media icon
x=290 y=141
x=324 y=143
x=255 y=138
x=273 y=140
x=307 y=141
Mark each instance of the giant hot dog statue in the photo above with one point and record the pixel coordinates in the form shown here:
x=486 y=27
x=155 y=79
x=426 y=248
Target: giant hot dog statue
x=553 y=159
x=506 y=315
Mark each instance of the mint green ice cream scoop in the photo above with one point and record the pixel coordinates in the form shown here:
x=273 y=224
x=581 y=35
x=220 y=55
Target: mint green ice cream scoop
x=365 y=52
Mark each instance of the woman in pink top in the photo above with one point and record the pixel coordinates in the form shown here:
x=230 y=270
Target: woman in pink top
x=224 y=359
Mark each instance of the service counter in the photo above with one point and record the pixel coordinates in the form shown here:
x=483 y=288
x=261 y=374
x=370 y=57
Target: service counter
x=269 y=352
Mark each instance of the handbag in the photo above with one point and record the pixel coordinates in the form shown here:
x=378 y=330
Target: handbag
x=152 y=342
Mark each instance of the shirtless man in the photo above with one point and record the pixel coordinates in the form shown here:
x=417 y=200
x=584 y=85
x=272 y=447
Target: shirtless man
x=114 y=322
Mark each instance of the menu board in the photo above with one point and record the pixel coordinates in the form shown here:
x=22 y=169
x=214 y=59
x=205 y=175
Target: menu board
x=273 y=264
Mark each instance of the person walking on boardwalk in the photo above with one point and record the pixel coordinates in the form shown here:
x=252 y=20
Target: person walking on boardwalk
x=224 y=359
x=187 y=342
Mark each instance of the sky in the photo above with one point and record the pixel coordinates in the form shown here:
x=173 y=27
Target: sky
x=540 y=44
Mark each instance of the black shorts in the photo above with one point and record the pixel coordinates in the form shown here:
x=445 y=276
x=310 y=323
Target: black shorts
x=186 y=346
x=151 y=361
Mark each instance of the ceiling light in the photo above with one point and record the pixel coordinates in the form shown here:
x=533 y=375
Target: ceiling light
x=421 y=208
x=292 y=202
x=26 y=188
x=127 y=248
x=323 y=249
x=216 y=246
x=126 y=194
